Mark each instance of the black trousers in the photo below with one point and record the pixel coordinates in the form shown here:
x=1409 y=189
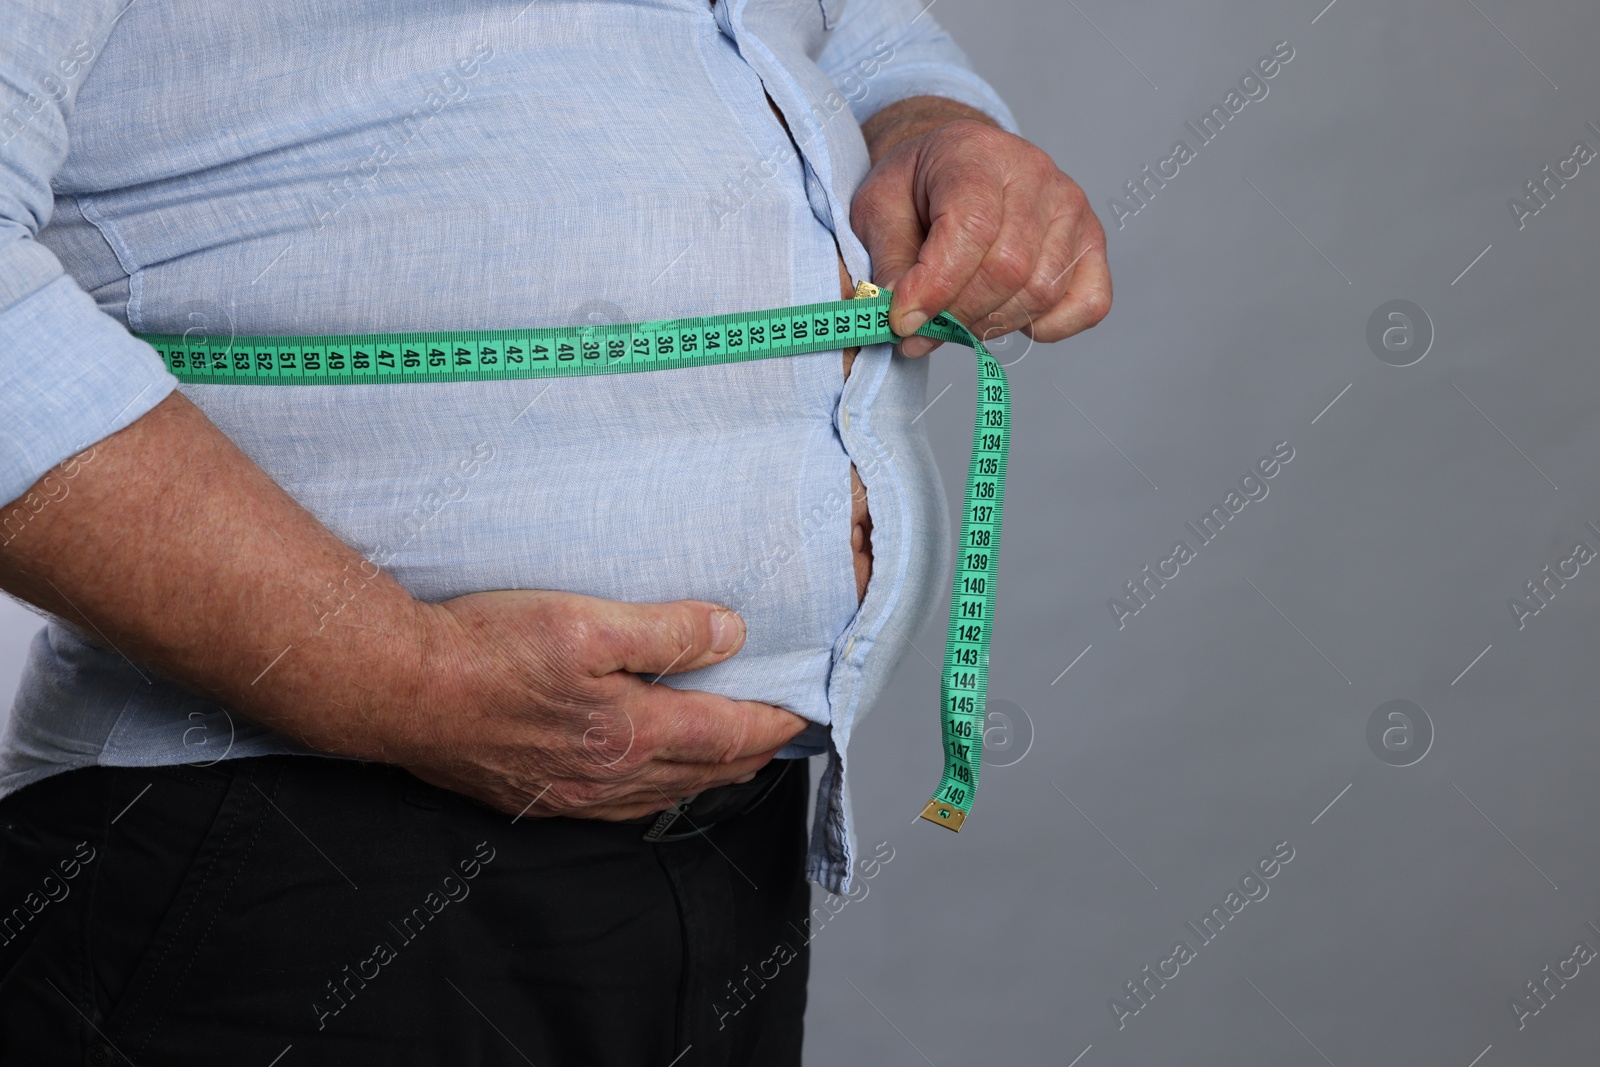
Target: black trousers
x=330 y=912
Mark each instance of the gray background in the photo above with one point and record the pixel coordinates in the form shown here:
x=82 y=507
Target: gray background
x=1233 y=709
x=1209 y=729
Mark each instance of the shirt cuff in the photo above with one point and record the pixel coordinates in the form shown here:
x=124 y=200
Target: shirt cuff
x=70 y=375
x=900 y=82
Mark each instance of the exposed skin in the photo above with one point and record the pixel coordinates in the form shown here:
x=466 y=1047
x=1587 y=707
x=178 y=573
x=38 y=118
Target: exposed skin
x=961 y=216
x=173 y=548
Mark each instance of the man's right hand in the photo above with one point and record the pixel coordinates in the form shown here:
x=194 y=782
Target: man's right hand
x=532 y=702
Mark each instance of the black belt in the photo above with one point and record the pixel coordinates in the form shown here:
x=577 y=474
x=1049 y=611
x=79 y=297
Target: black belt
x=704 y=810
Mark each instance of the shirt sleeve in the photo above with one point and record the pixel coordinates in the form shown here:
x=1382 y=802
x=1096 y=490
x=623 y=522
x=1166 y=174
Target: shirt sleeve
x=70 y=374
x=884 y=51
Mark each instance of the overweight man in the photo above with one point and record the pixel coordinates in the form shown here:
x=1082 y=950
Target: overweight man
x=466 y=723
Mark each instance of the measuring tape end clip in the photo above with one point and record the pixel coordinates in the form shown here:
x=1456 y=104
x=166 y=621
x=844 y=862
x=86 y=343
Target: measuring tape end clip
x=941 y=814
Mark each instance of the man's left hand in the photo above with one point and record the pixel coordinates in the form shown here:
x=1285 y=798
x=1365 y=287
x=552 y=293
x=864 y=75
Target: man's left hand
x=964 y=217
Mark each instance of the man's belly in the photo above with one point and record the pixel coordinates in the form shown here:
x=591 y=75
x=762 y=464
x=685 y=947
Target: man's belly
x=728 y=484
x=721 y=484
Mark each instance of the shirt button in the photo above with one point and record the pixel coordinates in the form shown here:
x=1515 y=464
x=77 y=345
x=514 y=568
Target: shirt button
x=99 y=1055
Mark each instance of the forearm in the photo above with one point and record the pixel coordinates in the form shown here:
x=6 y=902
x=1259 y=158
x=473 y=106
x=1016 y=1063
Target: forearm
x=176 y=550
x=913 y=117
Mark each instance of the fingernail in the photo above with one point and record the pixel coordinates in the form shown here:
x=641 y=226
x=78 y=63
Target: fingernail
x=912 y=321
x=916 y=347
x=727 y=629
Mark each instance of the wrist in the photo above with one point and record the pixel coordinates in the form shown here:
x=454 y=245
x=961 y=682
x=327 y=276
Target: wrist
x=913 y=117
x=420 y=672
x=367 y=685
x=439 y=676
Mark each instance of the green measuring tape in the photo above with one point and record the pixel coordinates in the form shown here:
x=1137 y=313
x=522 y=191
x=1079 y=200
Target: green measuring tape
x=563 y=352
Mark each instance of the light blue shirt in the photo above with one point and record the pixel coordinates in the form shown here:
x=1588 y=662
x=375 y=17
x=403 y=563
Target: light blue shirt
x=307 y=167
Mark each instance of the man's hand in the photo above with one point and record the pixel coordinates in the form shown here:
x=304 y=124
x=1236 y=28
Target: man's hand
x=961 y=216
x=532 y=702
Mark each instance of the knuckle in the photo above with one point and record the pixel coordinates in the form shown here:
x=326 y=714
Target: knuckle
x=1096 y=306
x=679 y=632
x=578 y=640
x=1040 y=295
x=978 y=220
x=1095 y=230
x=685 y=724
x=1010 y=267
x=649 y=734
x=1039 y=168
x=1072 y=194
x=686 y=630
